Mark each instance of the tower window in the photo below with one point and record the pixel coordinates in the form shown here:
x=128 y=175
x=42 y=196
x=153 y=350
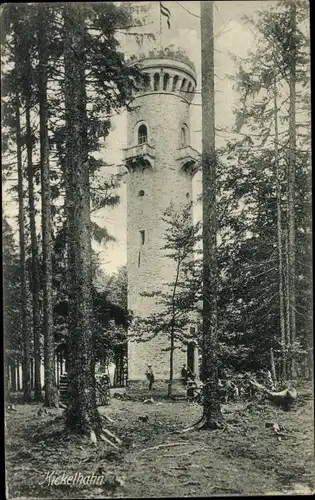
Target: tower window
x=142 y=134
x=175 y=81
x=165 y=81
x=189 y=87
x=141 y=192
x=183 y=84
x=142 y=237
x=156 y=81
x=139 y=259
x=184 y=136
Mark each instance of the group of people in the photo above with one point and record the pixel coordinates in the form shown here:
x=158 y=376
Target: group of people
x=187 y=377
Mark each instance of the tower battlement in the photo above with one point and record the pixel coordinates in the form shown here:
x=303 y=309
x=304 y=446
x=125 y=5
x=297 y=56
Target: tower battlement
x=168 y=71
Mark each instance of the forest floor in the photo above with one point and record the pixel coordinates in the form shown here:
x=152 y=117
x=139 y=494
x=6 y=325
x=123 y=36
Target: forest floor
x=246 y=457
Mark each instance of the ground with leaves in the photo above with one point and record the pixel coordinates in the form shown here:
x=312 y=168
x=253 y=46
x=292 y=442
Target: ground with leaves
x=250 y=455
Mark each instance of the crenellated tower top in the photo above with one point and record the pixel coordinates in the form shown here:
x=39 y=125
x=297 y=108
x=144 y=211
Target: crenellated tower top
x=169 y=71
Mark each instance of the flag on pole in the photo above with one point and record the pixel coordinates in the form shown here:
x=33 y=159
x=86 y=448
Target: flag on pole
x=165 y=12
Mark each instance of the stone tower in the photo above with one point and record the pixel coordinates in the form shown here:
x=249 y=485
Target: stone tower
x=161 y=163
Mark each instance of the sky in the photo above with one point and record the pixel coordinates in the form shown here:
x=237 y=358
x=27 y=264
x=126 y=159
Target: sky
x=233 y=36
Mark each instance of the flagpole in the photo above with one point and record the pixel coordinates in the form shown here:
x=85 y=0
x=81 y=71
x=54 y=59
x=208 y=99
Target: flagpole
x=161 y=45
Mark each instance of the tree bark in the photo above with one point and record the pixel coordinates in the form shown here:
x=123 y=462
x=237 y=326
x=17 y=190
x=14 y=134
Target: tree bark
x=172 y=346
x=291 y=183
x=23 y=287
x=273 y=368
x=48 y=327
x=18 y=381
x=170 y=383
x=32 y=373
x=82 y=413
x=280 y=238
x=287 y=306
x=13 y=376
x=34 y=247
x=212 y=416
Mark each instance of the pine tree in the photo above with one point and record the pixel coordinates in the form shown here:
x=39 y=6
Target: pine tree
x=212 y=416
x=44 y=16
x=257 y=190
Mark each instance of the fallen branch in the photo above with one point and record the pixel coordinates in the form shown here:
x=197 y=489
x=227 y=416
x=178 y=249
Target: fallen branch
x=187 y=483
x=106 y=431
x=187 y=429
x=104 y=438
x=185 y=454
x=283 y=398
x=106 y=417
x=166 y=445
x=93 y=437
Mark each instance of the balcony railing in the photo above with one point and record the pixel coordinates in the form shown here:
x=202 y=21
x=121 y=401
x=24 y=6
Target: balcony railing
x=189 y=159
x=140 y=154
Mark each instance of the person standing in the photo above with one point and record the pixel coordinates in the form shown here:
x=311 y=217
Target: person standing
x=184 y=375
x=150 y=376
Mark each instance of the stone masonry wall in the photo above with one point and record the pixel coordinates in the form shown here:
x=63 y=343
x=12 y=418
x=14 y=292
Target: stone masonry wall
x=163 y=113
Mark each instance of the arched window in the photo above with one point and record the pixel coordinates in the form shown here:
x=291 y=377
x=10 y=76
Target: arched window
x=175 y=80
x=184 y=136
x=156 y=81
x=165 y=81
x=142 y=134
x=183 y=84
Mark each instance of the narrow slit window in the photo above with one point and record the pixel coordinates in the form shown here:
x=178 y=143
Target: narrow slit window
x=142 y=237
x=139 y=259
x=183 y=137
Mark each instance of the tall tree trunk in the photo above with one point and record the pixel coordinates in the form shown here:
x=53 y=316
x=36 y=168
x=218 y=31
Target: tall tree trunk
x=212 y=416
x=35 y=288
x=287 y=306
x=18 y=379
x=49 y=351
x=23 y=287
x=273 y=367
x=32 y=373
x=172 y=347
x=280 y=238
x=170 y=383
x=7 y=377
x=58 y=370
x=82 y=413
x=13 y=376
x=291 y=183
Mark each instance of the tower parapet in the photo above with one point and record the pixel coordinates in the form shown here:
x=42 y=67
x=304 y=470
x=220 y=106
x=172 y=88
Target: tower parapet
x=168 y=71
